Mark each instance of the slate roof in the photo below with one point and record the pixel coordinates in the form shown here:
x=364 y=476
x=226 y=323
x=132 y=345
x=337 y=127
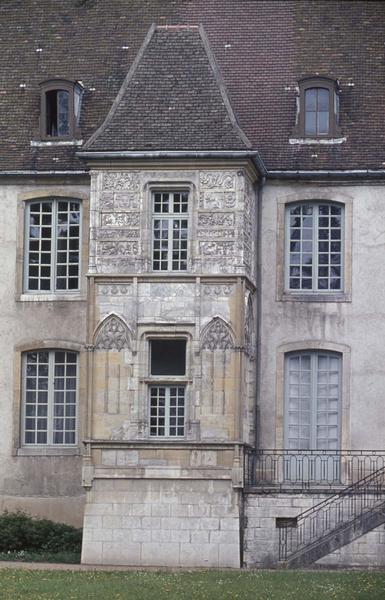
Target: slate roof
x=172 y=99
x=262 y=49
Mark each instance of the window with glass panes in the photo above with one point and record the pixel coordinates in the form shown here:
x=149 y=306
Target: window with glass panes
x=52 y=253
x=170 y=230
x=317 y=111
x=167 y=399
x=312 y=400
x=50 y=397
x=314 y=247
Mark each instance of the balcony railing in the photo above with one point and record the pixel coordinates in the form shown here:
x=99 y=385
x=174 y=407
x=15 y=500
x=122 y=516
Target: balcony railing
x=308 y=469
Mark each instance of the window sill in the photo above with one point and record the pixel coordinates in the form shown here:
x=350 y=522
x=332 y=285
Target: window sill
x=317 y=141
x=58 y=142
x=69 y=297
x=315 y=297
x=48 y=451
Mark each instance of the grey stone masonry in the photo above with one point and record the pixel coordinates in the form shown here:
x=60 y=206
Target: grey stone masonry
x=261 y=534
x=162 y=523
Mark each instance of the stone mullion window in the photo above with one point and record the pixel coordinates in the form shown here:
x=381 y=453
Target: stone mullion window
x=314 y=238
x=170 y=231
x=50 y=382
x=52 y=257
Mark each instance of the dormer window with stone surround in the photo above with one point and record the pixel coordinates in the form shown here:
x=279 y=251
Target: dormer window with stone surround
x=60 y=109
x=318 y=109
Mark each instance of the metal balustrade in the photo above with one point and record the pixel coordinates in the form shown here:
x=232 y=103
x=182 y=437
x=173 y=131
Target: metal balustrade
x=335 y=521
x=308 y=470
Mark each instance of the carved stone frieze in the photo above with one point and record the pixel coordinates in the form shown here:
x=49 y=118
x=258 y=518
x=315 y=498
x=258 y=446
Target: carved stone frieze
x=217 y=179
x=217 y=200
x=106 y=200
x=215 y=219
x=218 y=290
x=118 y=181
x=171 y=290
x=217 y=248
x=119 y=248
x=127 y=201
x=215 y=234
x=121 y=219
x=108 y=233
x=217 y=336
x=112 y=335
x=227 y=264
x=116 y=289
x=128 y=264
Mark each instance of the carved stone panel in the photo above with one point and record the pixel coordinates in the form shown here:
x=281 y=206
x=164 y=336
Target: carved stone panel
x=217 y=179
x=217 y=200
x=217 y=248
x=216 y=291
x=216 y=219
x=117 y=289
x=111 y=233
x=217 y=336
x=118 y=181
x=119 y=248
x=112 y=335
x=121 y=219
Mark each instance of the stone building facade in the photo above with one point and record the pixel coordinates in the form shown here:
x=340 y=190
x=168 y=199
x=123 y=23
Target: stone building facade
x=192 y=311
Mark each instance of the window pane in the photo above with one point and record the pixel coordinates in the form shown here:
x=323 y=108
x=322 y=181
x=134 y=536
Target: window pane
x=168 y=357
x=63 y=113
x=311 y=100
x=169 y=248
x=310 y=123
x=323 y=100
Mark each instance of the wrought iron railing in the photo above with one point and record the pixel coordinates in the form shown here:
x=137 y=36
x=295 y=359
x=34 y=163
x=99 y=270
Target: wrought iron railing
x=305 y=470
x=335 y=514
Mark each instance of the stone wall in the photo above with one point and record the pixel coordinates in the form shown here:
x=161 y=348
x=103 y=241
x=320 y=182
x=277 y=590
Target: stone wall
x=261 y=534
x=155 y=522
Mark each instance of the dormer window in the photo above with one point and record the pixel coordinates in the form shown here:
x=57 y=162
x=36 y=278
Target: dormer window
x=60 y=109
x=318 y=113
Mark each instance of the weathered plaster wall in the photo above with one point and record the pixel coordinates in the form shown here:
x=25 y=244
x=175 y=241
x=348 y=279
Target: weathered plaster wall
x=42 y=485
x=354 y=326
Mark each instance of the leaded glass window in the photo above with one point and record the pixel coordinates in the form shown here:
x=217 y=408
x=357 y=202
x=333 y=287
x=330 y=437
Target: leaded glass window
x=50 y=397
x=170 y=231
x=314 y=247
x=52 y=257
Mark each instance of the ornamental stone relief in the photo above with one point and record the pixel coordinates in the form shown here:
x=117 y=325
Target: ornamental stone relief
x=216 y=291
x=119 y=248
x=217 y=336
x=128 y=264
x=216 y=219
x=117 y=289
x=217 y=248
x=118 y=181
x=217 y=179
x=106 y=233
x=112 y=335
x=106 y=201
x=217 y=200
x=121 y=219
x=214 y=234
x=228 y=264
x=127 y=201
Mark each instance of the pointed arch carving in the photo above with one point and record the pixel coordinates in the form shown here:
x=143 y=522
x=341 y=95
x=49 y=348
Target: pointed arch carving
x=217 y=335
x=112 y=334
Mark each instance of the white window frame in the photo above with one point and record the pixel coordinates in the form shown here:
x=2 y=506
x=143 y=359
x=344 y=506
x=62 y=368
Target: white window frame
x=53 y=289
x=50 y=401
x=315 y=251
x=314 y=397
x=167 y=382
x=167 y=410
x=170 y=218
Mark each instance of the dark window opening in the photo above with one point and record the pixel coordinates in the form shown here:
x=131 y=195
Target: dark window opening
x=281 y=522
x=57 y=113
x=168 y=357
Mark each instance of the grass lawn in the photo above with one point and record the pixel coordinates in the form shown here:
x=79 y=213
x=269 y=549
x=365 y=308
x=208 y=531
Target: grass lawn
x=18 y=584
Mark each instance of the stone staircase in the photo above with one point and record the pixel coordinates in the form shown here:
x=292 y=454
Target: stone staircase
x=333 y=523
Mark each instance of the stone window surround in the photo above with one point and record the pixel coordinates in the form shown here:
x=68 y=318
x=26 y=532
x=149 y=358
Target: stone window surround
x=308 y=346
x=25 y=198
x=146 y=379
x=18 y=449
x=314 y=195
x=149 y=188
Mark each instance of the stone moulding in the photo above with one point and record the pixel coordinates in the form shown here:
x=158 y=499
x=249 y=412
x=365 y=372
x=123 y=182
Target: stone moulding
x=217 y=335
x=112 y=334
